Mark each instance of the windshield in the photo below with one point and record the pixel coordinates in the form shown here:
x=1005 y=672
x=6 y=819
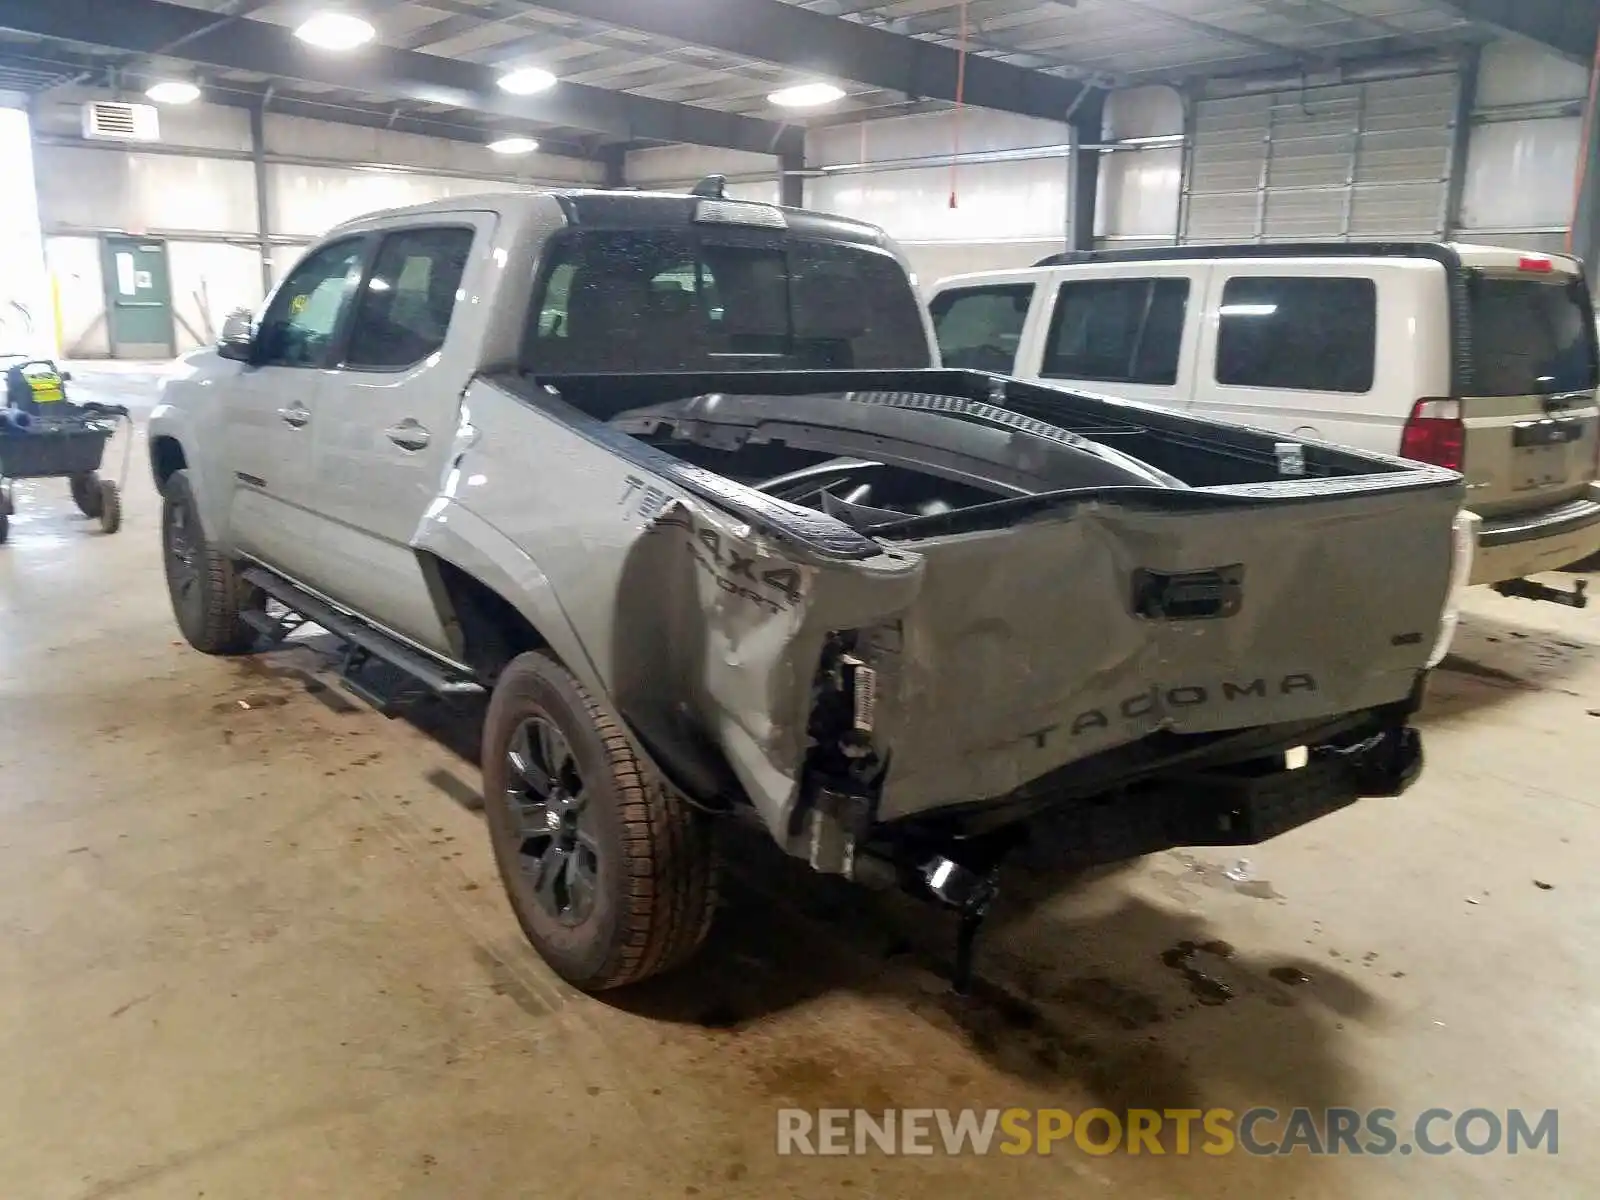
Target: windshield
x=622 y=301
x=1531 y=337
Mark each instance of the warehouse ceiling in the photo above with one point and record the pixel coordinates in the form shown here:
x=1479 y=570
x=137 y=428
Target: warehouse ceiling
x=642 y=72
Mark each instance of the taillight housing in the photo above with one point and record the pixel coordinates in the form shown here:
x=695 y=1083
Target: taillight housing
x=1434 y=433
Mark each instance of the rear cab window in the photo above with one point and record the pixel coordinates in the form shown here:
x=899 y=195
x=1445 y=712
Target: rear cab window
x=1308 y=333
x=1117 y=331
x=658 y=300
x=980 y=328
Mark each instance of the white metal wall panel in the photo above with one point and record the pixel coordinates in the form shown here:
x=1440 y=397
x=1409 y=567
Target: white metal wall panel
x=210 y=280
x=1021 y=200
x=933 y=261
x=308 y=201
x=1523 y=154
x=358 y=144
x=1139 y=189
x=1325 y=163
x=1515 y=72
x=74 y=266
x=674 y=167
x=87 y=188
x=1520 y=175
x=928 y=134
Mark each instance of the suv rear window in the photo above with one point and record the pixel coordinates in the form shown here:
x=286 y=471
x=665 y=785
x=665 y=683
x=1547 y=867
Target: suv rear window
x=979 y=328
x=664 y=300
x=1305 y=333
x=1530 y=337
x=1117 y=331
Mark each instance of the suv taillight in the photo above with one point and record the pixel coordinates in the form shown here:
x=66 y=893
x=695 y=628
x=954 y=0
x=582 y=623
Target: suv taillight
x=1435 y=434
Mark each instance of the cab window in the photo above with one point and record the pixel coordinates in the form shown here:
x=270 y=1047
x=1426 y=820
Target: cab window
x=405 y=309
x=300 y=324
x=979 y=329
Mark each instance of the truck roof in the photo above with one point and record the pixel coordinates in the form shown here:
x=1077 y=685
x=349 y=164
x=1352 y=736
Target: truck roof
x=1447 y=252
x=621 y=209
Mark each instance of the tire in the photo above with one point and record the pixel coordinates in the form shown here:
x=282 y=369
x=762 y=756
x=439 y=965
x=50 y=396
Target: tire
x=86 y=492
x=208 y=596
x=639 y=876
x=110 y=507
x=5 y=527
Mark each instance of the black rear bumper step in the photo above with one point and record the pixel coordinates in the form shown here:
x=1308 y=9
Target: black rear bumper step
x=433 y=675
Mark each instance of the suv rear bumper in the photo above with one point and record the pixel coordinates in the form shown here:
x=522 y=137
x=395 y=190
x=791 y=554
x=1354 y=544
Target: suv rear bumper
x=1511 y=547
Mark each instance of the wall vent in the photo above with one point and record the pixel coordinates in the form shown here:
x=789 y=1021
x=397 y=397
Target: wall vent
x=121 y=122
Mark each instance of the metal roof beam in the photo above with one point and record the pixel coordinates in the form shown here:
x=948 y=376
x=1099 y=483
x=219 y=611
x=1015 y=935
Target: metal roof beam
x=145 y=26
x=1569 y=27
x=830 y=47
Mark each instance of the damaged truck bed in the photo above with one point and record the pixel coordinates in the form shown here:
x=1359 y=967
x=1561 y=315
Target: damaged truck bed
x=897 y=613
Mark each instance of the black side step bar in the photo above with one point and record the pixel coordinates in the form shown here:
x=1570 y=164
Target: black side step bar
x=364 y=640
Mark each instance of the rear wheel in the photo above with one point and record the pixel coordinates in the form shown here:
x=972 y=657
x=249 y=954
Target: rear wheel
x=203 y=584
x=611 y=874
x=86 y=492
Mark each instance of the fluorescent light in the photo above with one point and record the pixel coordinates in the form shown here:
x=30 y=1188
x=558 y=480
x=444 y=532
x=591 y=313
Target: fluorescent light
x=335 y=31
x=173 y=91
x=1156 y=139
x=527 y=81
x=807 y=95
x=514 y=145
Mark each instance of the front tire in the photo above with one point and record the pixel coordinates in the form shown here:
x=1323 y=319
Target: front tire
x=611 y=873
x=204 y=587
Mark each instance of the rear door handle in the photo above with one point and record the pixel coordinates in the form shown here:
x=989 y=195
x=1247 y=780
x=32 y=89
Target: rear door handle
x=408 y=435
x=295 y=416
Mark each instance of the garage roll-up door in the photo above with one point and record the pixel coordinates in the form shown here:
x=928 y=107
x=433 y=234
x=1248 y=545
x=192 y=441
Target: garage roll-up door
x=1349 y=162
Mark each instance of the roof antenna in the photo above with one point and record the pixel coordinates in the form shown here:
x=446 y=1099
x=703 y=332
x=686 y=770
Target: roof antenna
x=712 y=187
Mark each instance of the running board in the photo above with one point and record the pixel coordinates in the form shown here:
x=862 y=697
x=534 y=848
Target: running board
x=364 y=641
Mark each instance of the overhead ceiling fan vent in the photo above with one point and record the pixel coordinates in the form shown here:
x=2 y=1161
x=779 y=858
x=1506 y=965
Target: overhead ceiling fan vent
x=117 y=121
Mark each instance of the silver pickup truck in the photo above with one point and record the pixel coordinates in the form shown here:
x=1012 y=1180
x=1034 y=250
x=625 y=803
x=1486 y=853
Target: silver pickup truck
x=676 y=481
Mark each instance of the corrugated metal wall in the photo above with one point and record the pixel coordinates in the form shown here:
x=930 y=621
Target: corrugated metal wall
x=1327 y=163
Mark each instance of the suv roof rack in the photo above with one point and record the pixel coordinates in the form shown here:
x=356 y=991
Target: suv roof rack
x=1250 y=250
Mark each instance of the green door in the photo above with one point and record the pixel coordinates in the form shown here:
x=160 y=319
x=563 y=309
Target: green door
x=138 y=298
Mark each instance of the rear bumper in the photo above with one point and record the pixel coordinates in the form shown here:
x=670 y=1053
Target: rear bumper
x=1511 y=547
x=1226 y=809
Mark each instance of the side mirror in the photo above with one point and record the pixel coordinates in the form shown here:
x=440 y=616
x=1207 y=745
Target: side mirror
x=238 y=337
x=66 y=377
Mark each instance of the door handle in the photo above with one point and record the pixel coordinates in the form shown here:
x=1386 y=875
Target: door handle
x=408 y=435
x=295 y=416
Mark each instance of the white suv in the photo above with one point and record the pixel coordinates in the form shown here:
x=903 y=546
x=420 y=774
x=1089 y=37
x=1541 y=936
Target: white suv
x=1478 y=359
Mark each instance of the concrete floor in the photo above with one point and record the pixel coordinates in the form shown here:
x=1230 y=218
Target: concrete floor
x=252 y=945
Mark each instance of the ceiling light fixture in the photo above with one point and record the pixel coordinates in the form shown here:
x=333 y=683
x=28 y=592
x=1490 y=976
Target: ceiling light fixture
x=335 y=31
x=173 y=91
x=527 y=81
x=807 y=95
x=514 y=145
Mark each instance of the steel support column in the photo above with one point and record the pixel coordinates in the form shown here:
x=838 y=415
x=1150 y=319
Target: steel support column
x=1460 y=141
x=258 y=158
x=792 y=183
